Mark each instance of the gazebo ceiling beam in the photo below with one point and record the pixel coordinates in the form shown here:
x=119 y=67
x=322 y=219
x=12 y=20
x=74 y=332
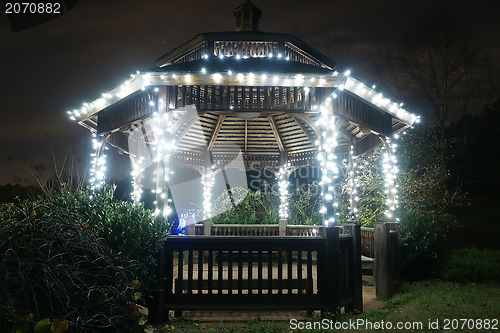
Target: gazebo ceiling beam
x=297 y=120
x=307 y=119
x=186 y=129
x=216 y=132
x=276 y=133
x=189 y=114
x=344 y=131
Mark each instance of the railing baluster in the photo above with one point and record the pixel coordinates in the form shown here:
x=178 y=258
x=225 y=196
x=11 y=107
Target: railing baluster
x=250 y=272
x=270 y=272
x=200 y=272
x=289 y=276
x=309 y=281
x=220 y=277
x=299 y=272
x=180 y=273
x=240 y=272
x=210 y=271
x=190 y=272
x=230 y=272
x=259 y=272
x=280 y=273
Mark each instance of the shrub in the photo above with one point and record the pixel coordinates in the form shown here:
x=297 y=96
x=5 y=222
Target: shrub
x=472 y=265
x=130 y=230
x=304 y=206
x=52 y=265
x=261 y=206
x=254 y=207
x=420 y=238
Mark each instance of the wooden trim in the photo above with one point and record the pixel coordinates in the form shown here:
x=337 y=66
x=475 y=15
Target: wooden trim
x=297 y=120
x=190 y=123
x=216 y=132
x=276 y=133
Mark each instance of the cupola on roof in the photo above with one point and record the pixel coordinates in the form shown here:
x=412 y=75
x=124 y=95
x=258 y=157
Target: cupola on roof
x=247 y=17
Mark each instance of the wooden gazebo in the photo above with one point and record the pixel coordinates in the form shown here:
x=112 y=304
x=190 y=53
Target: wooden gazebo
x=268 y=97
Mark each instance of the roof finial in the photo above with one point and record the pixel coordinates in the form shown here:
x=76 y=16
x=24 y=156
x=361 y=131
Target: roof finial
x=247 y=17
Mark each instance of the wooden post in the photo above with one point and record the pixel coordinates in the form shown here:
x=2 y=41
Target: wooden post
x=158 y=313
x=354 y=229
x=396 y=250
x=282 y=227
x=207 y=227
x=332 y=272
x=387 y=259
x=190 y=226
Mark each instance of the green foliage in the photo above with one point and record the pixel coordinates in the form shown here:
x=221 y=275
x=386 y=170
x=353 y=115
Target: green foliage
x=254 y=207
x=54 y=266
x=425 y=178
x=55 y=326
x=304 y=205
x=130 y=230
x=420 y=237
x=472 y=265
x=261 y=206
x=371 y=203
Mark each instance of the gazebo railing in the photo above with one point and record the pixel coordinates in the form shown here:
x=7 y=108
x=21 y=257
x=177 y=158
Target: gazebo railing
x=258 y=230
x=244 y=230
x=255 y=273
x=367 y=234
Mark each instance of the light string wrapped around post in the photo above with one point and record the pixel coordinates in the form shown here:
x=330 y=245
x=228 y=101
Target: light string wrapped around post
x=328 y=161
x=390 y=169
x=283 y=187
x=162 y=147
x=207 y=180
x=98 y=164
x=136 y=174
x=353 y=184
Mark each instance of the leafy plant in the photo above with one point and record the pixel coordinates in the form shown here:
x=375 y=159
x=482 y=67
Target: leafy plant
x=420 y=237
x=54 y=266
x=254 y=207
x=55 y=326
x=425 y=177
x=304 y=206
x=371 y=203
x=130 y=230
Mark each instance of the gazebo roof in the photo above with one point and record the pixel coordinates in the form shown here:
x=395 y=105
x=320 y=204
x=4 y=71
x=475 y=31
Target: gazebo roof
x=268 y=42
x=260 y=92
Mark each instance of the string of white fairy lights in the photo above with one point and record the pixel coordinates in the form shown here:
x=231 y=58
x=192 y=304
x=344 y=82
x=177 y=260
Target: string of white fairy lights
x=326 y=144
x=97 y=171
x=283 y=191
x=207 y=181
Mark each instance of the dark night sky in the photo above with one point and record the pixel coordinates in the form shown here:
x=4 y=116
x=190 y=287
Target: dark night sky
x=59 y=65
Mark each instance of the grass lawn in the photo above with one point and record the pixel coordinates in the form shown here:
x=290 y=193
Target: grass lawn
x=423 y=302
